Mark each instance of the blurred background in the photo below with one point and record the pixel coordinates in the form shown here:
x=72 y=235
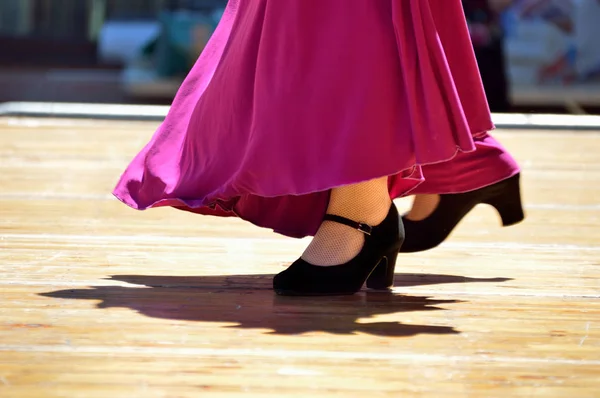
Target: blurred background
x=534 y=55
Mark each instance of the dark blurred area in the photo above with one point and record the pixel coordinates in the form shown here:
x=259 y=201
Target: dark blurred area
x=534 y=55
x=101 y=51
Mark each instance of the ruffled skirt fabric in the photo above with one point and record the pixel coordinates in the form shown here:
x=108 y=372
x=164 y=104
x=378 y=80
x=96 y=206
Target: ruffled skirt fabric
x=293 y=98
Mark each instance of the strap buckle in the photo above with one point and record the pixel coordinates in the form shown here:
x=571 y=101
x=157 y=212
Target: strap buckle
x=365 y=228
x=362 y=227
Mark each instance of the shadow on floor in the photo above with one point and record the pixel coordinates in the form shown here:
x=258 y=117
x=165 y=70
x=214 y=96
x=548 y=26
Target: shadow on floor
x=248 y=302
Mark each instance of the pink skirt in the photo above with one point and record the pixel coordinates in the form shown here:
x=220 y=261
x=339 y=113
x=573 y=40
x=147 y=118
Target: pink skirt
x=293 y=98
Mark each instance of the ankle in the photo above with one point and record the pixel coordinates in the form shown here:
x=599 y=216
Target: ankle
x=368 y=202
x=334 y=244
x=423 y=206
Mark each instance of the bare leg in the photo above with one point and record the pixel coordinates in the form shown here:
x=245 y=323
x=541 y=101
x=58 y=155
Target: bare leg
x=423 y=206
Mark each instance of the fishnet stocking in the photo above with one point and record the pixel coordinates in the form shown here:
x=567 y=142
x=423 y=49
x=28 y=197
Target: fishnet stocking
x=334 y=244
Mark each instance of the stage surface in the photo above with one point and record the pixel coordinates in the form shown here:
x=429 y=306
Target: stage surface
x=98 y=300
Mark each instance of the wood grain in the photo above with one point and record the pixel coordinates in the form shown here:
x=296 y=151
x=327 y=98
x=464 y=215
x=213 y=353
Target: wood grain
x=98 y=300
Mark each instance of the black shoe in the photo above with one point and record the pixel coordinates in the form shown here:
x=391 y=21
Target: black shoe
x=375 y=263
x=428 y=233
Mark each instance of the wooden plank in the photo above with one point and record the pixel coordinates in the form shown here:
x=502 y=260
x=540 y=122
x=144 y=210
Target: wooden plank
x=99 y=300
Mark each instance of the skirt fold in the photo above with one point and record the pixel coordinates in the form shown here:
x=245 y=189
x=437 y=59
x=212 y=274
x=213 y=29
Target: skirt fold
x=293 y=98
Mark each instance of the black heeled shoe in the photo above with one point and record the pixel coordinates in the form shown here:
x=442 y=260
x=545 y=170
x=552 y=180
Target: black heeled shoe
x=428 y=233
x=374 y=264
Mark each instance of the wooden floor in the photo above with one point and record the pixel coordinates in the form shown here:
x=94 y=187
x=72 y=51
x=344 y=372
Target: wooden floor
x=98 y=300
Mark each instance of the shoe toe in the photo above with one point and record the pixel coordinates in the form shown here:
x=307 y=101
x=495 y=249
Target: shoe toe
x=282 y=280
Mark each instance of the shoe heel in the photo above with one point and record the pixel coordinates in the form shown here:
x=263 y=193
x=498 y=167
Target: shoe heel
x=508 y=203
x=382 y=277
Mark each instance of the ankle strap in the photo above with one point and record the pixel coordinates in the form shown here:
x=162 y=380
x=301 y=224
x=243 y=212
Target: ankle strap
x=364 y=228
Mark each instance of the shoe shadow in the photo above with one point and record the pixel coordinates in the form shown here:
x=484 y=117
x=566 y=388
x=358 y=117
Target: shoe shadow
x=247 y=302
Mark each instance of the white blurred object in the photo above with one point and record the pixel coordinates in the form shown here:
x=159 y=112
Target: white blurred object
x=533 y=44
x=587 y=32
x=522 y=74
x=121 y=41
x=537 y=42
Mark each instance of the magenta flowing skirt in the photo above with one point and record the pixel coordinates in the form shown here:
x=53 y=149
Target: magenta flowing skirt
x=292 y=98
